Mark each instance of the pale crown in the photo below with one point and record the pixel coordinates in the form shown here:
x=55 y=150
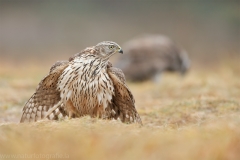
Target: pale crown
x=107 y=48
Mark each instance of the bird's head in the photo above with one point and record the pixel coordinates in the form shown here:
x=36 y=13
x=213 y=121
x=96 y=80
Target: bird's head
x=107 y=48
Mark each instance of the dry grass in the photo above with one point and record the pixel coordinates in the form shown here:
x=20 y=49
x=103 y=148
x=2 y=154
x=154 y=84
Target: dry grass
x=195 y=117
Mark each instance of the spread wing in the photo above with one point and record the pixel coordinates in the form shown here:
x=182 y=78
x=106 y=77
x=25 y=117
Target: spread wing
x=45 y=97
x=123 y=100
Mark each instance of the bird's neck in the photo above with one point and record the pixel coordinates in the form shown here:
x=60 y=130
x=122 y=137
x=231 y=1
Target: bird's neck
x=93 y=64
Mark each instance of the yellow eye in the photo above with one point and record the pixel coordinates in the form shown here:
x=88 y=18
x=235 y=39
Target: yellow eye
x=111 y=47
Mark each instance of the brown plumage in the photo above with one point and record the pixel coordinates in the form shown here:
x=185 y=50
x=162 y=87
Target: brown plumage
x=87 y=84
x=146 y=57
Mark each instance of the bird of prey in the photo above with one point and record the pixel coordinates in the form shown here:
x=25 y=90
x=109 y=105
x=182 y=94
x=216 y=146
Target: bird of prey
x=86 y=84
x=149 y=55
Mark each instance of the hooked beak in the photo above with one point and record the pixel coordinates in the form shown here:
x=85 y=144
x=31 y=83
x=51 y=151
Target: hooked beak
x=120 y=51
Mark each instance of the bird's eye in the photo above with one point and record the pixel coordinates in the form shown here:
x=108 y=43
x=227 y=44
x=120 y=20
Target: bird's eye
x=111 y=47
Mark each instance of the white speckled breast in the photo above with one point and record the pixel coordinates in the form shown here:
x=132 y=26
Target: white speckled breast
x=86 y=83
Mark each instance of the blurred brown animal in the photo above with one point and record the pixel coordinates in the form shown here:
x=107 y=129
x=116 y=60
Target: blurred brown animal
x=146 y=57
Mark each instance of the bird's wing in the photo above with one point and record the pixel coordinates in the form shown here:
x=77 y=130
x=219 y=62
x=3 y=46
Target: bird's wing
x=123 y=100
x=45 y=97
x=86 y=50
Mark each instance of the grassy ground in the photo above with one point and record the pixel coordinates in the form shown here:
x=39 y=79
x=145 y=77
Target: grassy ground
x=195 y=117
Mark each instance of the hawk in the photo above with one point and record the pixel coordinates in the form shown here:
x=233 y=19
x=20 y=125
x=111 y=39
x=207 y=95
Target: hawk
x=86 y=84
x=148 y=56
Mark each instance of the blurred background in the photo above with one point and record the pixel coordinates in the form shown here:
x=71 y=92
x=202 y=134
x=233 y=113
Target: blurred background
x=49 y=30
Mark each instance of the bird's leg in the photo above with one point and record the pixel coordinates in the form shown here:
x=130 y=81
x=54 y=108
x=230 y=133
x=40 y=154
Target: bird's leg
x=98 y=111
x=71 y=109
x=70 y=115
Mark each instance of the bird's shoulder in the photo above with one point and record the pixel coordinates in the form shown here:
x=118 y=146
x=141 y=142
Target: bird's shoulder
x=50 y=80
x=57 y=66
x=88 y=50
x=116 y=73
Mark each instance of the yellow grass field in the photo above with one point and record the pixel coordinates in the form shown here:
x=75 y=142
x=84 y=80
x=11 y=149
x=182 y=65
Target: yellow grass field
x=196 y=117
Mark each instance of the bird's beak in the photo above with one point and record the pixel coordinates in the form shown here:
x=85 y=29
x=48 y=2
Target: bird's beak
x=120 y=51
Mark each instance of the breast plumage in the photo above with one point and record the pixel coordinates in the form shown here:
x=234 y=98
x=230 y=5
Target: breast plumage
x=86 y=84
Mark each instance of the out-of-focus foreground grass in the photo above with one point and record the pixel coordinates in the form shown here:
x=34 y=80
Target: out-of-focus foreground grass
x=191 y=117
